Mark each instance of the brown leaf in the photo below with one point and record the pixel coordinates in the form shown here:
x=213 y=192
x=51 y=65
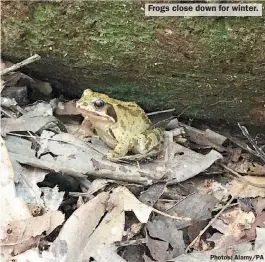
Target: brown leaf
x=250 y=234
x=232 y=224
x=195 y=228
x=249 y=191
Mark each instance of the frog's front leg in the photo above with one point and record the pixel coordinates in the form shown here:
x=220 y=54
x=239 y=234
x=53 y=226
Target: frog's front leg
x=86 y=129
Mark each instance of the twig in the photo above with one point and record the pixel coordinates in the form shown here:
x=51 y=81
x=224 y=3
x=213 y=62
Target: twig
x=6 y=113
x=100 y=173
x=245 y=132
x=183 y=111
x=130 y=242
x=170 y=216
x=164 y=120
x=20 y=64
x=232 y=205
x=12 y=104
x=167 y=200
x=214 y=219
x=241 y=144
x=161 y=112
x=241 y=178
x=181 y=200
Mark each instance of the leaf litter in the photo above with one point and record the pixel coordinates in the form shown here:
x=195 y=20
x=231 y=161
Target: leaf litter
x=123 y=210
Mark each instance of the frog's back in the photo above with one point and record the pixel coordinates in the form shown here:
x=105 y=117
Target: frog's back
x=134 y=113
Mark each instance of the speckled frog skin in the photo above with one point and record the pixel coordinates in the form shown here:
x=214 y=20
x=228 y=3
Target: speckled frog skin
x=123 y=126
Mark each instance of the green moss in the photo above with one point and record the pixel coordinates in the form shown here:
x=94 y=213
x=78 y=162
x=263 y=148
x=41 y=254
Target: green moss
x=207 y=65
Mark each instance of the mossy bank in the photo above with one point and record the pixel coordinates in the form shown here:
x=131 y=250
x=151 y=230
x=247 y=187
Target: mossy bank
x=211 y=68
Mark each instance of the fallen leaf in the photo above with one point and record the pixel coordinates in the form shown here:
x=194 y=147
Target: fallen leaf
x=260 y=239
x=7 y=177
x=152 y=194
x=18 y=231
x=131 y=203
x=250 y=234
x=52 y=198
x=236 y=154
x=67 y=108
x=196 y=207
x=195 y=228
x=26 y=183
x=247 y=167
x=164 y=241
x=249 y=190
x=205 y=138
x=232 y=224
x=216 y=254
x=259 y=205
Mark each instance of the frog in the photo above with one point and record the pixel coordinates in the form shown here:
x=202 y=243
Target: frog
x=122 y=125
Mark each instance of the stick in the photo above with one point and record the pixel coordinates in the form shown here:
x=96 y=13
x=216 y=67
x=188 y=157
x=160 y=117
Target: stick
x=181 y=200
x=245 y=132
x=161 y=112
x=130 y=242
x=241 y=178
x=170 y=216
x=20 y=64
x=6 y=113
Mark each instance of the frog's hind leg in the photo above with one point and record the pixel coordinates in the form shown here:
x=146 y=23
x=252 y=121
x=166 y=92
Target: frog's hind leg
x=148 y=141
x=120 y=150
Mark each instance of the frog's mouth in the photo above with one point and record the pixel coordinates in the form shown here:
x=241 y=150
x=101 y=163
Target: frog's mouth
x=100 y=115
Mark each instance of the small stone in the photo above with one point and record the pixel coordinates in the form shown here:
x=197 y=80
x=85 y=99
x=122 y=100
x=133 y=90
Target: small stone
x=19 y=93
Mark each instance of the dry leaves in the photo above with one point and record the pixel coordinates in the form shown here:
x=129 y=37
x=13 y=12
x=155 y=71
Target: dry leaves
x=20 y=231
x=249 y=190
x=231 y=225
x=86 y=230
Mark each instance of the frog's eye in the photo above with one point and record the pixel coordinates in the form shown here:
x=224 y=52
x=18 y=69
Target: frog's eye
x=99 y=103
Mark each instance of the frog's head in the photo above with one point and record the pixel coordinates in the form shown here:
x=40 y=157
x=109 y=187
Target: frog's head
x=97 y=105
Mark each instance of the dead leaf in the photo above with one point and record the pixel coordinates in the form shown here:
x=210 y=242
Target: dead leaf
x=26 y=183
x=247 y=167
x=33 y=124
x=52 y=198
x=158 y=249
x=152 y=194
x=57 y=253
x=18 y=231
x=236 y=154
x=249 y=190
x=131 y=203
x=67 y=108
x=75 y=158
x=256 y=169
x=250 y=234
x=7 y=177
x=79 y=227
x=209 y=256
x=259 y=205
x=86 y=237
x=196 y=207
x=164 y=241
x=260 y=239
x=182 y=162
x=195 y=228
x=232 y=224
x=86 y=230
x=205 y=138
